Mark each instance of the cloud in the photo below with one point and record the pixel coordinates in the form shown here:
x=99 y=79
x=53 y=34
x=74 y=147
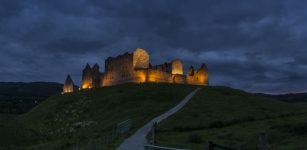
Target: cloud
x=257 y=46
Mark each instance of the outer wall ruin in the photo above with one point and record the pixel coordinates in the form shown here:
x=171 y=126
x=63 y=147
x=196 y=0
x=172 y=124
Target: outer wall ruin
x=135 y=67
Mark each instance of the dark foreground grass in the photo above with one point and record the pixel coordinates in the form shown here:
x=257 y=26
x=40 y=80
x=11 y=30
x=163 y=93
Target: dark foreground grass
x=84 y=119
x=235 y=119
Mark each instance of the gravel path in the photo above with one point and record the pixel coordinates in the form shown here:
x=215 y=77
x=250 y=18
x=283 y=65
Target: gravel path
x=138 y=140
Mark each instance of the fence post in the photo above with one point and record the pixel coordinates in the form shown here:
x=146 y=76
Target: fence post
x=153 y=130
x=210 y=145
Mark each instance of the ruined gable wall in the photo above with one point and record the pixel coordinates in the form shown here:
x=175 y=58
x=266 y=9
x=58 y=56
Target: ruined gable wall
x=96 y=76
x=68 y=88
x=199 y=77
x=202 y=77
x=118 y=70
x=68 y=85
x=87 y=79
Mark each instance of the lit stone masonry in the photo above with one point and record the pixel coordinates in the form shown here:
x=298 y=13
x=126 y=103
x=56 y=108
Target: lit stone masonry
x=140 y=59
x=135 y=67
x=87 y=77
x=68 y=85
x=177 y=67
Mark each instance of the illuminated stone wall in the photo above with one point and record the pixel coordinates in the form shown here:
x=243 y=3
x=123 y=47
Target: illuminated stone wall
x=140 y=76
x=177 y=67
x=198 y=77
x=96 y=76
x=91 y=77
x=159 y=76
x=68 y=85
x=165 y=67
x=140 y=59
x=87 y=79
x=202 y=74
x=134 y=67
x=179 y=79
x=136 y=76
x=118 y=70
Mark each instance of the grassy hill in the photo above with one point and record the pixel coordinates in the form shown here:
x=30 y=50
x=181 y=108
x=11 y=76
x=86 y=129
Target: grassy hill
x=86 y=119
x=234 y=118
x=20 y=97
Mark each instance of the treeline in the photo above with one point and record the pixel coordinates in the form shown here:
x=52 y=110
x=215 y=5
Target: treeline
x=290 y=98
x=19 y=97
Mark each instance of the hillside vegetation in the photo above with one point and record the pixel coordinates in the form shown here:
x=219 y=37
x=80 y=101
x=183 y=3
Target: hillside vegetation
x=85 y=119
x=235 y=119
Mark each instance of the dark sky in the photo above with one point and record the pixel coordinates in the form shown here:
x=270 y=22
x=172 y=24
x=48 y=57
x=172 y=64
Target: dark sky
x=255 y=45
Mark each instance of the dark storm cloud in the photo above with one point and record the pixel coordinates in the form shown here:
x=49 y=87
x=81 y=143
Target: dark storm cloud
x=253 y=45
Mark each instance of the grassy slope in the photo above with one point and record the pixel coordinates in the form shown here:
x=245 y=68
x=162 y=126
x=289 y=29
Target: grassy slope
x=52 y=124
x=235 y=119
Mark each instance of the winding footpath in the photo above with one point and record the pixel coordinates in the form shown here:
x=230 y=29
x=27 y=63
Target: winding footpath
x=138 y=140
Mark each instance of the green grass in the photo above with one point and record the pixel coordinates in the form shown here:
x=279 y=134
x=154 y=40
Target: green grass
x=235 y=119
x=223 y=115
x=52 y=124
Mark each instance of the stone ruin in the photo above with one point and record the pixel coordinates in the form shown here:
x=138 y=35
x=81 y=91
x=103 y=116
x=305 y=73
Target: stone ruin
x=135 y=67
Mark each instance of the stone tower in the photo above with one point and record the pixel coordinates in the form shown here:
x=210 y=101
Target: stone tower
x=68 y=85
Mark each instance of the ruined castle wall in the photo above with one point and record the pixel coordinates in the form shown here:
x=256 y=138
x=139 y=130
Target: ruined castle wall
x=68 y=88
x=159 y=76
x=96 y=77
x=192 y=80
x=199 y=78
x=140 y=59
x=166 y=67
x=137 y=76
x=179 y=79
x=87 y=79
x=126 y=68
x=101 y=79
x=177 y=67
x=118 y=70
x=68 y=85
x=202 y=78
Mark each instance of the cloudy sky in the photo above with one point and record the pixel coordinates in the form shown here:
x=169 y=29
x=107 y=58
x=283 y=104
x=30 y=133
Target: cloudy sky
x=255 y=45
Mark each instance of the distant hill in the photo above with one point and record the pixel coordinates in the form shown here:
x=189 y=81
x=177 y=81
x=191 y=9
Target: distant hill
x=19 y=97
x=290 y=98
